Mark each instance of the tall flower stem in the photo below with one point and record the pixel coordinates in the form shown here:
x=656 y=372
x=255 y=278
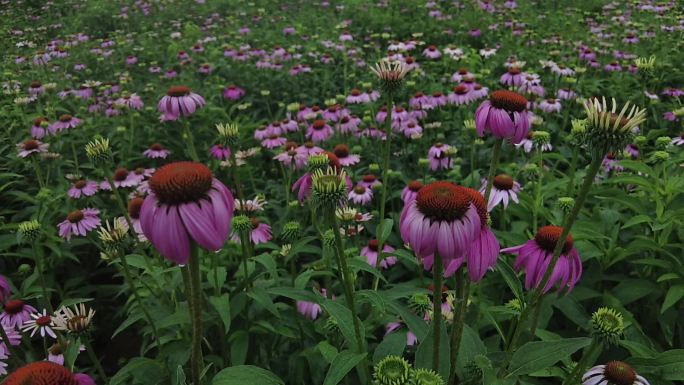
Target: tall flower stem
x=244 y=239
x=236 y=178
x=196 y=361
x=436 y=310
x=39 y=174
x=385 y=181
x=536 y=296
x=124 y=263
x=463 y=293
x=348 y=290
x=40 y=260
x=593 y=348
x=571 y=176
x=192 y=152
x=131 y=136
x=537 y=193
x=94 y=359
x=496 y=153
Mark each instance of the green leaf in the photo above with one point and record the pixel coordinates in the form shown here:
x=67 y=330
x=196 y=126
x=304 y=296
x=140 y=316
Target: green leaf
x=667 y=365
x=222 y=306
x=674 y=295
x=510 y=277
x=246 y=375
x=296 y=294
x=358 y=264
x=471 y=346
x=534 y=356
x=635 y=220
x=387 y=225
x=328 y=351
x=344 y=320
x=416 y=324
x=637 y=350
x=238 y=347
x=263 y=299
x=303 y=278
x=392 y=345
x=268 y=262
x=425 y=350
x=343 y=363
x=143 y=370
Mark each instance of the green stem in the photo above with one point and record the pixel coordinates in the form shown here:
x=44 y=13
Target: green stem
x=192 y=152
x=73 y=151
x=131 y=136
x=146 y=313
x=39 y=258
x=39 y=174
x=196 y=361
x=595 y=346
x=571 y=176
x=385 y=183
x=349 y=291
x=436 y=309
x=244 y=238
x=463 y=288
x=94 y=359
x=496 y=152
x=537 y=193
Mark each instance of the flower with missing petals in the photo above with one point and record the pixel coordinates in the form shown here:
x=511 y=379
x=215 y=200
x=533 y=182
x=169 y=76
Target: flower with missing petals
x=76 y=320
x=390 y=73
x=608 y=129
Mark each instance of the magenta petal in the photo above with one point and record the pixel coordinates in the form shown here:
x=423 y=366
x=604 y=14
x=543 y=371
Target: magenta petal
x=169 y=235
x=481 y=115
x=199 y=219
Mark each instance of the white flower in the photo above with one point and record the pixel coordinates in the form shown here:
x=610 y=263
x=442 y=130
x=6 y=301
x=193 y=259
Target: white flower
x=41 y=321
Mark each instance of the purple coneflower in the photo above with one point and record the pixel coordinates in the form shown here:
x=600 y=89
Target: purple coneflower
x=259 y=233
x=79 y=222
x=83 y=187
x=233 y=92
x=31 y=146
x=504 y=189
x=504 y=115
x=40 y=322
x=64 y=122
x=358 y=97
x=179 y=100
x=512 y=78
x=38 y=128
x=534 y=256
x=613 y=373
x=370 y=252
x=15 y=313
x=156 y=150
x=410 y=192
x=612 y=67
x=272 y=141
x=461 y=95
x=122 y=178
x=132 y=101
x=220 y=151
x=451 y=220
x=550 y=105
x=361 y=195
x=610 y=163
x=291 y=157
x=345 y=156
x=439 y=157
x=5 y=291
x=319 y=131
x=186 y=205
x=678 y=140
x=311 y=310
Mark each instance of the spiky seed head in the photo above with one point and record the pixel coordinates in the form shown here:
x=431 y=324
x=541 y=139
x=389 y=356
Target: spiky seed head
x=469 y=124
x=663 y=142
x=391 y=74
x=392 y=370
x=610 y=129
x=329 y=238
x=516 y=305
x=566 y=203
x=98 y=150
x=540 y=138
x=646 y=64
x=329 y=188
x=317 y=162
x=228 y=132
x=29 y=230
x=242 y=223
x=420 y=303
x=426 y=377
x=291 y=231
x=607 y=324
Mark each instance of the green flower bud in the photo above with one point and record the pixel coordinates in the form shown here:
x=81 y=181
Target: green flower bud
x=426 y=377
x=607 y=324
x=566 y=203
x=29 y=230
x=640 y=140
x=420 y=303
x=329 y=188
x=540 y=138
x=98 y=150
x=317 y=162
x=242 y=223
x=24 y=269
x=423 y=162
x=660 y=156
x=374 y=168
x=469 y=124
x=516 y=305
x=663 y=142
x=291 y=231
x=392 y=370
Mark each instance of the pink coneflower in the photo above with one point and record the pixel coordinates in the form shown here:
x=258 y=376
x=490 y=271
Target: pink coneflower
x=31 y=146
x=205 y=69
x=344 y=155
x=410 y=192
x=131 y=60
x=459 y=75
x=220 y=152
x=361 y=195
x=566 y=94
x=391 y=327
x=438 y=99
x=186 y=204
x=304 y=183
x=132 y=101
x=461 y=95
x=5 y=291
x=311 y=310
x=550 y=106
x=45 y=372
x=291 y=156
x=84 y=92
x=475 y=32
x=369 y=181
x=531 y=84
x=431 y=52
x=156 y=150
x=134 y=208
x=79 y=222
x=504 y=115
x=562 y=70
x=309 y=148
x=451 y=220
x=348 y=124
x=504 y=189
x=122 y=178
x=678 y=140
x=631 y=38
x=632 y=150
x=610 y=163
x=587 y=54
x=512 y=78
x=38 y=128
x=319 y=131
x=534 y=256
x=420 y=100
x=15 y=313
x=179 y=100
x=40 y=322
x=613 y=373
x=370 y=252
x=272 y=141
x=439 y=157
x=83 y=187
x=411 y=129
x=36 y=88
x=64 y=122
x=358 y=97
x=612 y=67
x=233 y=92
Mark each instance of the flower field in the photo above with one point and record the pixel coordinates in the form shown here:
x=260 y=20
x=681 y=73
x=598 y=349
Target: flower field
x=389 y=192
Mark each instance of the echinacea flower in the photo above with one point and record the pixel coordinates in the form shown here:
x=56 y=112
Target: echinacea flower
x=64 y=122
x=156 y=150
x=220 y=151
x=504 y=115
x=186 y=205
x=345 y=156
x=76 y=320
x=440 y=157
x=179 y=101
x=391 y=327
x=311 y=310
x=5 y=291
x=40 y=322
x=360 y=195
x=319 y=131
x=48 y=373
x=613 y=373
x=390 y=73
x=534 y=257
x=259 y=232
x=410 y=192
x=504 y=188
x=15 y=313
x=83 y=187
x=31 y=146
x=451 y=220
x=233 y=92
x=79 y=222
x=606 y=128
x=370 y=252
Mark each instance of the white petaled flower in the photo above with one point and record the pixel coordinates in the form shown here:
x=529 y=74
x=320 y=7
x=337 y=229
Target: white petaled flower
x=613 y=373
x=251 y=205
x=40 y=322
x=76 y=320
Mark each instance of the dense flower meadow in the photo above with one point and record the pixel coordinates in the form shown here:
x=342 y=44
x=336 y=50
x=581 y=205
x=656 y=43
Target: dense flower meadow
x=386 y=192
